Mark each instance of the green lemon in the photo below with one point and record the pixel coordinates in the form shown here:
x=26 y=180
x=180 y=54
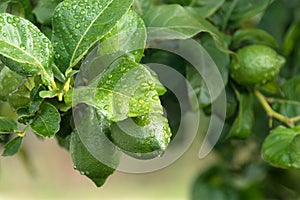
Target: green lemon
x=256 y=65
x=143 y=137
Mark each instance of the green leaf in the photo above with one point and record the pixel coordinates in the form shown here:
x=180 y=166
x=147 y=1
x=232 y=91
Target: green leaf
x=128 y=36
x=47 y=120
x=125 y=89
x=89 y=145
x=24 y=49
x=44 y=10
x=83 y=23
x=141 y=6
x=288 y=108
x=20 y=8
x=291 y=89
x=277 y=8
x=14 y=89
x=242 y=126
x=248 y=8
x=7 y=125
x=291 y=35
x=205 y=8
x=257 y=36
x=63 y=136
x=200 y=89
x=144 y=137
x=9 y=82
x=35 y=99
x=86 y=163
x=281 y=147
x=20 y=98
x=176 y=18
x=13 y=146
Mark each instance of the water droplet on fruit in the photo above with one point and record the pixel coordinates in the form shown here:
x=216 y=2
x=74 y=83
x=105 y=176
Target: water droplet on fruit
x=139 y=77
x=16 y=19
x=141 y=101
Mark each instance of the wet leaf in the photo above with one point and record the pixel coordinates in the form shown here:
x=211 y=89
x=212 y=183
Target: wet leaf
x=83 y=23
x=125 y=89
x=127 y=37
x=89 y=146
x=24 y=48
x=46 y=122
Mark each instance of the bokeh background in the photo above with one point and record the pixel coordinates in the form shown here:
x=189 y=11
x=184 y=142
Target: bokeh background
x=48 y=173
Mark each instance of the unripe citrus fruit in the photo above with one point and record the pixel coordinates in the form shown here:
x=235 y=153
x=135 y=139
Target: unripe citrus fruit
x=256 y=65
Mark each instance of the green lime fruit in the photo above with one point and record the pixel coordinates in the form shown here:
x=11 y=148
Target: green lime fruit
x=144 y=137
x=256 y=65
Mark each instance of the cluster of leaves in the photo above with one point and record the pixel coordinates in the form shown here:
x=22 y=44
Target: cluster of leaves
x=42 y=56
x=42 y=46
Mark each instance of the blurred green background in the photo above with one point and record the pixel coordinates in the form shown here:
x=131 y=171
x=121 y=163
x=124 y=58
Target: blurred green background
x=50 y=175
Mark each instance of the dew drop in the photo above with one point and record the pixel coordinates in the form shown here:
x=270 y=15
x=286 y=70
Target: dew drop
x=151 y=83
x=22 y=46
x=82 y=12
x=77 y=26
x=141 y=100
x=16 y=19
x=57 y=56
x=144 y=84
x=155 y=97
x=4 y=35
x=105 y=107
x=139 y=77
x=82 y=173
x=9 y=20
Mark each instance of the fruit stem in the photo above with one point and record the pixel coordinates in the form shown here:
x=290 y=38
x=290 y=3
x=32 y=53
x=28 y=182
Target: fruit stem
x=273 y=114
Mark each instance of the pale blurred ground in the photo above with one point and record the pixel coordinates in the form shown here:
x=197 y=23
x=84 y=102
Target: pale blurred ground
x=55 y=178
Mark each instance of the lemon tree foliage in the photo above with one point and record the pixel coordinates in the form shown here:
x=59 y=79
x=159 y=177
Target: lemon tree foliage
x=44 y=46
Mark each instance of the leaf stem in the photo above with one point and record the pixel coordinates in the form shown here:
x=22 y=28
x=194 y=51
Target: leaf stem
x=273 y=114
x=53 y=85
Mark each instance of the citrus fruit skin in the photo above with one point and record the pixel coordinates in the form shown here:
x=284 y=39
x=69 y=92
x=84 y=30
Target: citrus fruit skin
x=256 y=65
